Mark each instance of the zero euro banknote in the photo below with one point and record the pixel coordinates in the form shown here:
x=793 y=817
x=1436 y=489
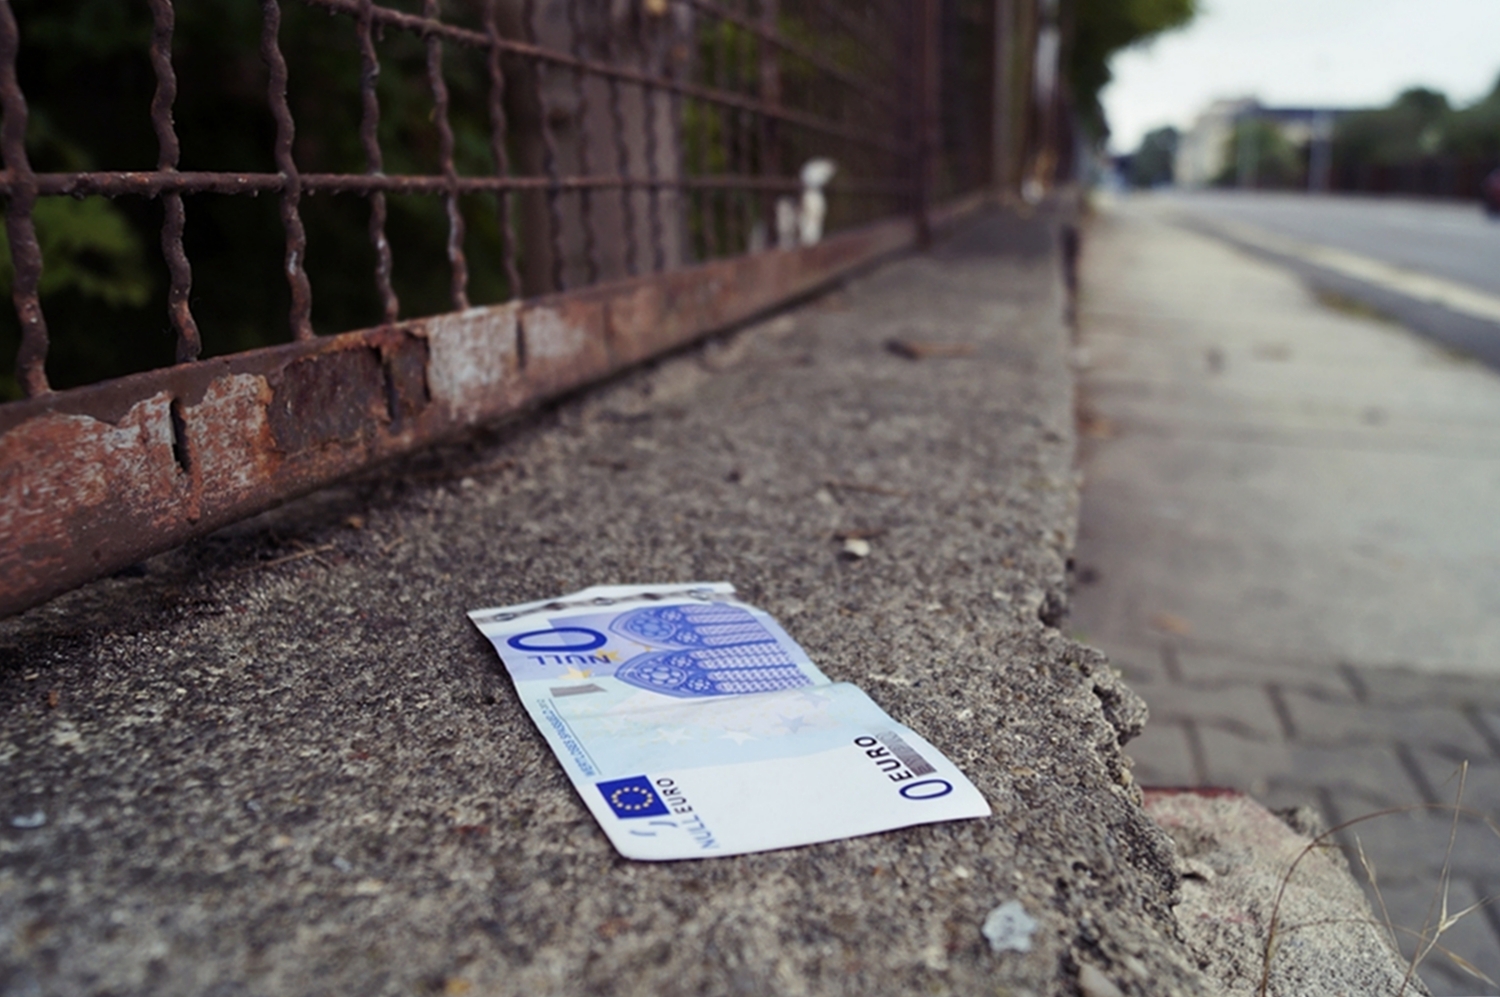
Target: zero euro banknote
x=693 y=726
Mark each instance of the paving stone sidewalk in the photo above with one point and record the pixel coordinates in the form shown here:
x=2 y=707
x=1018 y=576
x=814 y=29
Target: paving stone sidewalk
x=1287 y=546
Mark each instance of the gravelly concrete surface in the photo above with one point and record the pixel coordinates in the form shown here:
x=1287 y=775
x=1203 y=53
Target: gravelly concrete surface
x=1236 y=889
x=281 y=761
x=1289 y=547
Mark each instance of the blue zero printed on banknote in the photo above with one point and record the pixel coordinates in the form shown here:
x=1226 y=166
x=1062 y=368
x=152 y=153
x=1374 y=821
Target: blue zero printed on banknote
x=680 y=713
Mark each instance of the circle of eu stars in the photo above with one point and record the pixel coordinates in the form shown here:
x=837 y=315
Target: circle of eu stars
x=631 y=798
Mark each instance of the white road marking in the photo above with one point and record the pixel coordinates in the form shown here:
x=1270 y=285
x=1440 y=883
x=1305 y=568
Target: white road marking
x=1452 y=295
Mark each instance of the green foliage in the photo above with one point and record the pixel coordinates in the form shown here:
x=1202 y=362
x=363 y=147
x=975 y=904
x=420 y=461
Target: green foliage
x=1104 y=27
x=87 y=247
x=1420 y=126
x=1258 y=154
x=1153 y=162
x=1474 y=132
x=85 y=69
x=1410 y=128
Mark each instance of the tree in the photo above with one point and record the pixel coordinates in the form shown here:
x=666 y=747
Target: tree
x=1154 y=162
x=1474 y=132
x=1104 y=27
x=1259 y=155
x=1410 y=128
x=1420 y=144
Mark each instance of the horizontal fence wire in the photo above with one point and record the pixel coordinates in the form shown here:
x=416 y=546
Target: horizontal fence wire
x=567 y=142
x=158 y=184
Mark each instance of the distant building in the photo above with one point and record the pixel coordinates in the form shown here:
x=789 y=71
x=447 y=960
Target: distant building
x=1203 y=150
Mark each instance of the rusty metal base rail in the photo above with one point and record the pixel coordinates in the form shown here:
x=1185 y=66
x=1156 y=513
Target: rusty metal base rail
x=96 y=478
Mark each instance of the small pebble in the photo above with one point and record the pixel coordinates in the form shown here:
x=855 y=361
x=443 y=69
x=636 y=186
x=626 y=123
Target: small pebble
x=1198 y=869
x=1094 y=983
x=857 y=547
x=28 y=822
x=1009 y=927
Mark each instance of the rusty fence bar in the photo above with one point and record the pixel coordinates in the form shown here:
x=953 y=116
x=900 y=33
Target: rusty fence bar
x=637 y=149
x=20 y=229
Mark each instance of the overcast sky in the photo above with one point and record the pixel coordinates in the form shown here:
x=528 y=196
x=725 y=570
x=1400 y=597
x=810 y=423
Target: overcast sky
x=1304 y=52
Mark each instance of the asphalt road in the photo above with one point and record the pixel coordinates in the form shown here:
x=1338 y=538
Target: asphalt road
x=1452 y=240
x=1434 y=266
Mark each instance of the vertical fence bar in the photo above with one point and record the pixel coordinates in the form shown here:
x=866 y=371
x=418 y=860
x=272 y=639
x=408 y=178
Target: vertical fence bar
x=549 y=151
x=723 y=119
x=369 y=137
x=678 y=59
x=622 y=157
x=291 y=195
x=174 y=217
x=770 y=93
x=581 y=130
x=653 y=168
x=929 y=79
x=1003 y=117
x=746 y=202
x=458 y=265
x=25 y=252
x=498 y=136
x=697 y=204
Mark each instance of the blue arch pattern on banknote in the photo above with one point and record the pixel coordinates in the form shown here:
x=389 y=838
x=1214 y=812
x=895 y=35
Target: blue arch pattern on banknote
x=713 y=650
x=694 y=625
x=724 y=671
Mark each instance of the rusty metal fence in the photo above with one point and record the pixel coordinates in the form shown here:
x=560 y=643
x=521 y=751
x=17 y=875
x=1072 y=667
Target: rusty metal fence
x=641 y=169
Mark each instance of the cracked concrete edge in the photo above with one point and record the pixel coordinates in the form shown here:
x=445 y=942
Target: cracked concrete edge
x=1266 y=905
x=186 y=696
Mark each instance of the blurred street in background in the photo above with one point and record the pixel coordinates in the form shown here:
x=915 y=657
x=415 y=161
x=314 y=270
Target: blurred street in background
x=1432 y=265
x=1450 y=239
x=1288 y=540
